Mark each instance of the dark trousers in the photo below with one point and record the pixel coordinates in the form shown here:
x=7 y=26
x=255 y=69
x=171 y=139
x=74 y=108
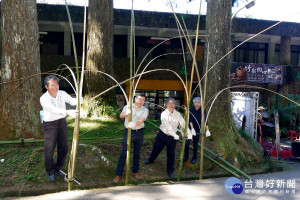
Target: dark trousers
x=137 y=137
x=160 y=142
x=55 y=133
x=195 y=147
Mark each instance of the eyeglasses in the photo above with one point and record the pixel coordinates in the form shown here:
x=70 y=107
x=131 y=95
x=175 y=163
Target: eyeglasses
x=141 y=99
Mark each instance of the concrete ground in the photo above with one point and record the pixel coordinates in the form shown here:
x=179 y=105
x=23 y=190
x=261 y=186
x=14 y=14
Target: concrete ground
x=281 y=185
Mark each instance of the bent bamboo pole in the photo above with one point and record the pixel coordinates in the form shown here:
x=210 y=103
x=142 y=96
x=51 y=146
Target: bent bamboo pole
x=72 y=161
x=227 y=163
x=217 y=163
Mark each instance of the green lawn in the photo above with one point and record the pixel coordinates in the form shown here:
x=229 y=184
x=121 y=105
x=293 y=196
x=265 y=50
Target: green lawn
x=23 y=171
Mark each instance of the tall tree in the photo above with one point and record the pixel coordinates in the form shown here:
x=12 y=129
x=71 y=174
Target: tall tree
x=224 y=133
x=19 y=114
x=100 y=48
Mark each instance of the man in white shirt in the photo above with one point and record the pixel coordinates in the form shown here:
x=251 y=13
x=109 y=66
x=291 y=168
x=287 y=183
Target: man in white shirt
x=54 y=124
x=139 y=115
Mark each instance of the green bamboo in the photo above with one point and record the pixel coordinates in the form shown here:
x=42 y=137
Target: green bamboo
x=189 y=93
x=203 y=122
x=227 y=163
x=182 y=47
x=187 y=112
x=222 y=166
x=207 y=70
x=217 y=163
x=130 y=99
x=214 y=161
x=36 y=141
x=19 y=141
x=42 y=140
x=72 y=161
x=202 y=95
x=138 y=75
x=201 y=152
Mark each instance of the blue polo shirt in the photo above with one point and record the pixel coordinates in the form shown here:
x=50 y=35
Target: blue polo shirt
x=195 y=118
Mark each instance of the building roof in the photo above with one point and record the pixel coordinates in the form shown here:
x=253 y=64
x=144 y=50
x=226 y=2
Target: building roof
x=122 y=17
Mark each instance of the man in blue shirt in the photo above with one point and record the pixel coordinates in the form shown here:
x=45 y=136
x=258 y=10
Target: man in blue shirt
x=195 y=126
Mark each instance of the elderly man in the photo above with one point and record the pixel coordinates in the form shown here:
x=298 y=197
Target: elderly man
x=195 y=126
x=54 y=124
x=139 y=115
x=166 y=136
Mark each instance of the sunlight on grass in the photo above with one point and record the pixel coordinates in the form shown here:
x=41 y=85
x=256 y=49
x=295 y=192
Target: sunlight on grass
x=89 y=125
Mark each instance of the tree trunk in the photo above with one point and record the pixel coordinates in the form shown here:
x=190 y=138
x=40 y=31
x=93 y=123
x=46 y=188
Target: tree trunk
x=99 y=46
x=218 y=27
x=224 y=133
x=285 y=50
x=21 y=88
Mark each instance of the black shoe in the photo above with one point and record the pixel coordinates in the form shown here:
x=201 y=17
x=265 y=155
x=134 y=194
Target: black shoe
x=147 y=162
x=52 y=177
x=171 y=175
x=59 y=172
x=193 y=161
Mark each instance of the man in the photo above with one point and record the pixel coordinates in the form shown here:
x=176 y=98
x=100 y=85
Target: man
x=54 y=124
x=260 y=122
x=139 y=115
x=195 y=126
x=166 y=136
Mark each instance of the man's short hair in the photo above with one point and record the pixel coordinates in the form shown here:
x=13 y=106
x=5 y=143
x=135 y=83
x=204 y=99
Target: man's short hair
x=50 y=77
x=170 y=99
x=140 y=95
x=196 y=99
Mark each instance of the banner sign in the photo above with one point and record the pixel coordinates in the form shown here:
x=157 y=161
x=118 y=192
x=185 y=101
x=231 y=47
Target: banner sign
x=257 y=73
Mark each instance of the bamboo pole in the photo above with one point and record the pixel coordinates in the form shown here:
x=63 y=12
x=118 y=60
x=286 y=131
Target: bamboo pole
x=207 y=70
x=72 y=161
x=130 y=98
x=182 y=47
x=19 y=141
x=222 y=166
x=227 y=163
x=189 y=90
x=83 y=51
x=217 y=163
x=202 y=95
x=203 y=122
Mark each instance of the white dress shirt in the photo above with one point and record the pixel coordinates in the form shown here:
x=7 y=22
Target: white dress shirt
x=55 y=108
x=170 y=122
x=137 y=114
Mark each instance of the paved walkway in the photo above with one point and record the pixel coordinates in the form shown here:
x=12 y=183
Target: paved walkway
x=281 y=185
x=285 y=188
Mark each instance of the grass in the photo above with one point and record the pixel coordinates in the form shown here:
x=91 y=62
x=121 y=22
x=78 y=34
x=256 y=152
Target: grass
x=100 y=144
x=23 y=173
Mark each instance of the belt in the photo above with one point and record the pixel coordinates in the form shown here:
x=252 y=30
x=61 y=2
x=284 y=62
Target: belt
x=136 y=129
